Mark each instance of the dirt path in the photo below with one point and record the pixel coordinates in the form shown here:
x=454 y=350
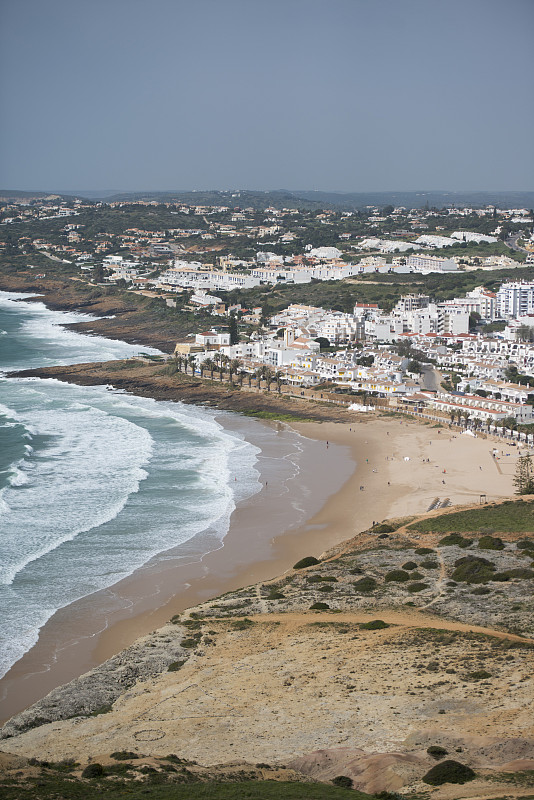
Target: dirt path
x=293 y=621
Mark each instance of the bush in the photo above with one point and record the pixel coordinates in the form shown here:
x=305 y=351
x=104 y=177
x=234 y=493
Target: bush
x=93 y=771
x=123 y=755
x=326 y=588
x=417 y=587
x=397 y=576
x=429 y=564
x=189 y=644
x=479 y=675
x=343 y=781
x=409 y=565
x=481 y=590
x=365 y=585
x=242 y=624
x=319 y=607
x=424 y=551
x=525 y=544
x=437 y=752
x=455 y=539
x=308 y=561
x=519 y=572
x=382 y=527
x=374 y=625
x=274 y=594
x=472 y=569
x=448 y=772
x=490 y=543
x=321 y=579
x=416 y=576
x=174 y=667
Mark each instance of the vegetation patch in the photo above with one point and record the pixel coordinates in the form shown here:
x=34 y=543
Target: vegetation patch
x=124 y=755
x=409 y=565
x=307 y=561
x=479 y=675
x=319 y=606
x=448 y=772
x=175 y=666
x=374 y=625
x=365 y=585
x=417 y=587
x=242 y=624
x=513 y=516
x=437 y=752
x=424 y=551
x=397 y=576
x=490 y=543
x=429 y=564
x=520 y=573
x=455 y=539
x=472 y=569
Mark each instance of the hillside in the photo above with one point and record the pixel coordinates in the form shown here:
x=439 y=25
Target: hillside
x=408 y=637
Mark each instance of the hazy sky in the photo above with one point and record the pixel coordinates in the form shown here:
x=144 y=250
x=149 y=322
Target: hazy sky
x=346 y=95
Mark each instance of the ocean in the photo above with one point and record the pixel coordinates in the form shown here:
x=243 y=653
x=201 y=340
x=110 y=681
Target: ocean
x=94 y=483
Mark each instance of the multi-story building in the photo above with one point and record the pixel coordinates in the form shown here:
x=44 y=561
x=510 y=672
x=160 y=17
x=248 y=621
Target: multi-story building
x=515 y=299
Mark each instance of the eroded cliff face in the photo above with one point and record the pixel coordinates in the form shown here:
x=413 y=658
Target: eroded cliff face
x=396 y=657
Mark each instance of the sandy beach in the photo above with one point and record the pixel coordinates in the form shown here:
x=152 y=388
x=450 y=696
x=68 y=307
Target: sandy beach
x=353 y=474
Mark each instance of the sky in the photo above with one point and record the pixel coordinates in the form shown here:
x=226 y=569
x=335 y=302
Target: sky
x=335 y=95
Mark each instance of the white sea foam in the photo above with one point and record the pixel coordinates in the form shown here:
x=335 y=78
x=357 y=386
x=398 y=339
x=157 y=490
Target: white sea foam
x=107 y=480
x=89 y=522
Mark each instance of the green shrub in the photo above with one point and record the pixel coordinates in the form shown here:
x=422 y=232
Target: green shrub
x=242 y=624
x=175 y=666
x=424 y=551
x=374 y=625
x=308 y=561
x=123 y=755
x=519 y=572
x=416 y=576
x=176 y=619
x=343 y=781
x=383 y=527
x=409 y=565
x=455 y=539
x=472 y=569
x=189 y=644
x=429 y=564
x=417 y=587
x=525 y=544
x=326 y=588
x=321 y=579
x=356 y=571
x=448 y=772
x=397 y=576
x=274 y=594
x=490 y=543
x=319 y=607
x=481 y=590
x=436 y=751
x=479 y=675
x=93 y=771
x=365 y=585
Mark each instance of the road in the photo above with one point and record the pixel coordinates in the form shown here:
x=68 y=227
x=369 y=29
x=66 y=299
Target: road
x=511 y=242
x=430 y=378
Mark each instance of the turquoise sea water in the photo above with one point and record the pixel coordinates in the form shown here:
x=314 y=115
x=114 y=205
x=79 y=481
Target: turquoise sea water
x=93 y=482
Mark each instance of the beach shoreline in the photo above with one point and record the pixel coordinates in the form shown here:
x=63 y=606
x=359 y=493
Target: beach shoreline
x=398 y=468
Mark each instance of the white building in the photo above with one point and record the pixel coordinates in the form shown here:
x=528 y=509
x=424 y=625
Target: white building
x=515 y=299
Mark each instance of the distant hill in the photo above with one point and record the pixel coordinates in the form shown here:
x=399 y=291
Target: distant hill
x=302 y=199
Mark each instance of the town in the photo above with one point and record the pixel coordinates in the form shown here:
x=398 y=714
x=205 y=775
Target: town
x=237 y=270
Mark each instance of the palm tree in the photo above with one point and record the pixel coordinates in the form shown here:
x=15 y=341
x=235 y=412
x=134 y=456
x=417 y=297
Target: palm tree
x=268 y=375
x=179 y=360
x=191 y=360
x=278 y=378
x=210 y=364
x=233 y=367
x=452 y=415
x=258 y=374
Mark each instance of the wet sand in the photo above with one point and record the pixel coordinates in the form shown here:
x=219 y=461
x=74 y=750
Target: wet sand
x=368 y=471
